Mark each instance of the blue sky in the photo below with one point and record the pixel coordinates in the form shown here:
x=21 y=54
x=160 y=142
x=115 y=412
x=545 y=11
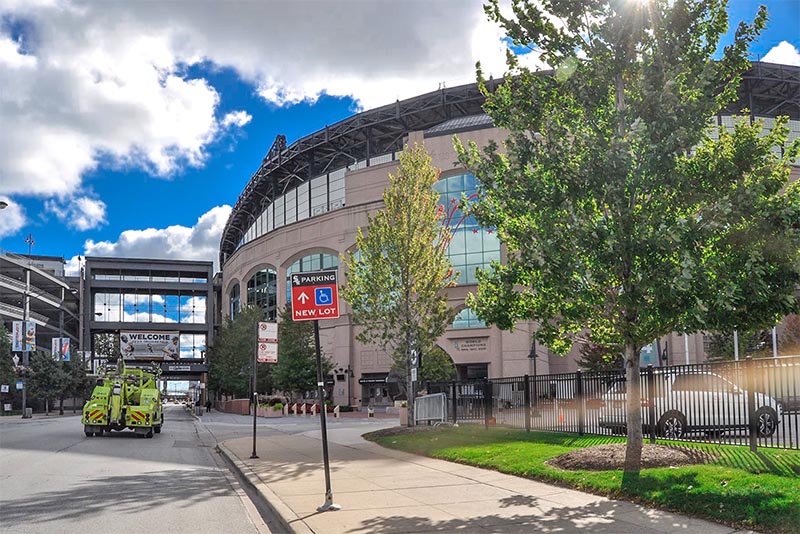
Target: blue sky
x=131 y=130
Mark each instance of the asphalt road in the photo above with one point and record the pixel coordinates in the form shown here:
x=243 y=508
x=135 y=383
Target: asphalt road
x=54 y=479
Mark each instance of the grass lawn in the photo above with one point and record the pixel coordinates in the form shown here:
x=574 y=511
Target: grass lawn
x=759 y=491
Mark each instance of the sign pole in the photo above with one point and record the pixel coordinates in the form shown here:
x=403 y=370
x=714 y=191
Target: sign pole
x=329 y=505
x=315 y=296
x=255 y=393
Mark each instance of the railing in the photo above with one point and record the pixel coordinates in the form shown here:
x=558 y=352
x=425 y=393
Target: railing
x=431 y=408
x=754 y=402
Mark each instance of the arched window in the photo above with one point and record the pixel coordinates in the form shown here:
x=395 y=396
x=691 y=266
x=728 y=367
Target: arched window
x=262 y=291
x=466 y=318
x=472 y=247
x=235 y=302
x=312 y=262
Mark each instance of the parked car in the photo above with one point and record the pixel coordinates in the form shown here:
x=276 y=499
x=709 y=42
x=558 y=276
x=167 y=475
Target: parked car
x=692 y=402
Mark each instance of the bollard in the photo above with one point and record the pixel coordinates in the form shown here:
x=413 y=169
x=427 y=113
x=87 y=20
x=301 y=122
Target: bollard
x=303 y=410
x=285 y=410
x=370 y=412
x=336 y=412
x=313 y=409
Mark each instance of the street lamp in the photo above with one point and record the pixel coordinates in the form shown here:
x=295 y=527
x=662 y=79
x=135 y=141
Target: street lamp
x=25 y=305
x=533 y=356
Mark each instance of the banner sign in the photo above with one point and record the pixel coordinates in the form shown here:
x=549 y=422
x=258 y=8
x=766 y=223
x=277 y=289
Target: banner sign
x=61 y=352
x=17 y=333
x=267 y=342
x=150 y=345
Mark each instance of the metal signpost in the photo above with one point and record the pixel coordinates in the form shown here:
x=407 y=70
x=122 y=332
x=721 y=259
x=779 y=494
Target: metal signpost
x=315 y=296
x=266 y=352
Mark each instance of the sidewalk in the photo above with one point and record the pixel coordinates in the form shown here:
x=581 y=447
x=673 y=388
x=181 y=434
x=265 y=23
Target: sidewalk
x=383 y=490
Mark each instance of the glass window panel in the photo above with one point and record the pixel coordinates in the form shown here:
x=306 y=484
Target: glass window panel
x=302 y=201
x=172 y=307
x=319 y=195
x=291 y=206
x=279 y=212
x=158 y=312
x=458 y=245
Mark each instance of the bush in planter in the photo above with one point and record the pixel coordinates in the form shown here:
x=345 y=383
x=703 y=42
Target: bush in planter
x=277 y=406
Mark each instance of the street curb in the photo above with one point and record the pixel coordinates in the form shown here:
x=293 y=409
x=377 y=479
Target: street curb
x=289 y=521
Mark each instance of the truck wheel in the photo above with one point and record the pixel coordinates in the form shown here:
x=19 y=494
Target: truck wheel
x=88 y=434
x=99 y=432
x=157 y=429
x=149 y=434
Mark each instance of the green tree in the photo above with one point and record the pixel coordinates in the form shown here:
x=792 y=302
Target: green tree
x=48 y=378
x=296 y=370
x=437 y=366
x=79 y=384
x=397 y=276
x=621 y=214
x=230 y=362
x=789 y=343
x=106 y=347
x=597 y=357
x=755 y=343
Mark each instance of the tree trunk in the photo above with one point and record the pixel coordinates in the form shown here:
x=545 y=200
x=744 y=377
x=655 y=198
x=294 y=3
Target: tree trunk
x=633 y=416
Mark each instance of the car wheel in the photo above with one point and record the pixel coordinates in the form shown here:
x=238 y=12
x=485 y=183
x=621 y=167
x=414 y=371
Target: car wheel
x=672 y=425
x=767 y=421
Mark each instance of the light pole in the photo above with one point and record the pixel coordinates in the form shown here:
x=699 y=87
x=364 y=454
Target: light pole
x=25 y=305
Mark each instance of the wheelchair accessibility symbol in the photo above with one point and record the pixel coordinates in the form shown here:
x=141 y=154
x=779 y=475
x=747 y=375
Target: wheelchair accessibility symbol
x=323 y=296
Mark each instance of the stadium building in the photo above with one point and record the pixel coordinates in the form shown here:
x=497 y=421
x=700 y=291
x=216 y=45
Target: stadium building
x=301 y=210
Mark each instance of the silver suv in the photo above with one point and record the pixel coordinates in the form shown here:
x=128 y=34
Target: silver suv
x=692 y=402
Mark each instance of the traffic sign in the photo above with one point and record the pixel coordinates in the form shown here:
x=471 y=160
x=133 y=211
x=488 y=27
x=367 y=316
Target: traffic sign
x=267 y=342
x=315 y=295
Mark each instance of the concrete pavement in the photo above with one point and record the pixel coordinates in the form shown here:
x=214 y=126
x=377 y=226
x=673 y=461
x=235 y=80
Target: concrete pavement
x=383 y=490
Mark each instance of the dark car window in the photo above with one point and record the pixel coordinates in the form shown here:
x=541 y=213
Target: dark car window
x=689 y=383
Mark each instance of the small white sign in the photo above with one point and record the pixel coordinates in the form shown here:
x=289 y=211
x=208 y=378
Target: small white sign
x=20 y=385
x=414 y=375
x=267 y=342
x=7 y=407
x=4 y=388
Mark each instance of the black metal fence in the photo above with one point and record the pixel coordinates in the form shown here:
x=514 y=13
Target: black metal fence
x=754 y=402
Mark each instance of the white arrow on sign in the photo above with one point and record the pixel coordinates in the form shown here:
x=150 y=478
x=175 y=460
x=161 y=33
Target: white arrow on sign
x=303 y=298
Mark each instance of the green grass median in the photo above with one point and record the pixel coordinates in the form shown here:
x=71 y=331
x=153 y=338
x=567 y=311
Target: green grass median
x=760 y=491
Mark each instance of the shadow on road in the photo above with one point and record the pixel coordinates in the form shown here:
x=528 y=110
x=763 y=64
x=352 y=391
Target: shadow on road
x=122 y=494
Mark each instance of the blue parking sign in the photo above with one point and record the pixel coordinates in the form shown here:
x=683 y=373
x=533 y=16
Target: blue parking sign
x=323 y=296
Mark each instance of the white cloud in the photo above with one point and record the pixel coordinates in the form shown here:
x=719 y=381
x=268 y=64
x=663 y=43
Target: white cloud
x=12 y=217
x=200 y=242
x=784 y=53
x=236 y=118
x=90 y=81
x=81 y=213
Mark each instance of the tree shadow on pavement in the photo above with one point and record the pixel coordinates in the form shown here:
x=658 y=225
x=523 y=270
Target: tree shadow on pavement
x=123 y=494
x=602 y=517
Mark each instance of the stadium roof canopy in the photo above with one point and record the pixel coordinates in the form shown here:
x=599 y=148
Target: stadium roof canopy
x=767 y=90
